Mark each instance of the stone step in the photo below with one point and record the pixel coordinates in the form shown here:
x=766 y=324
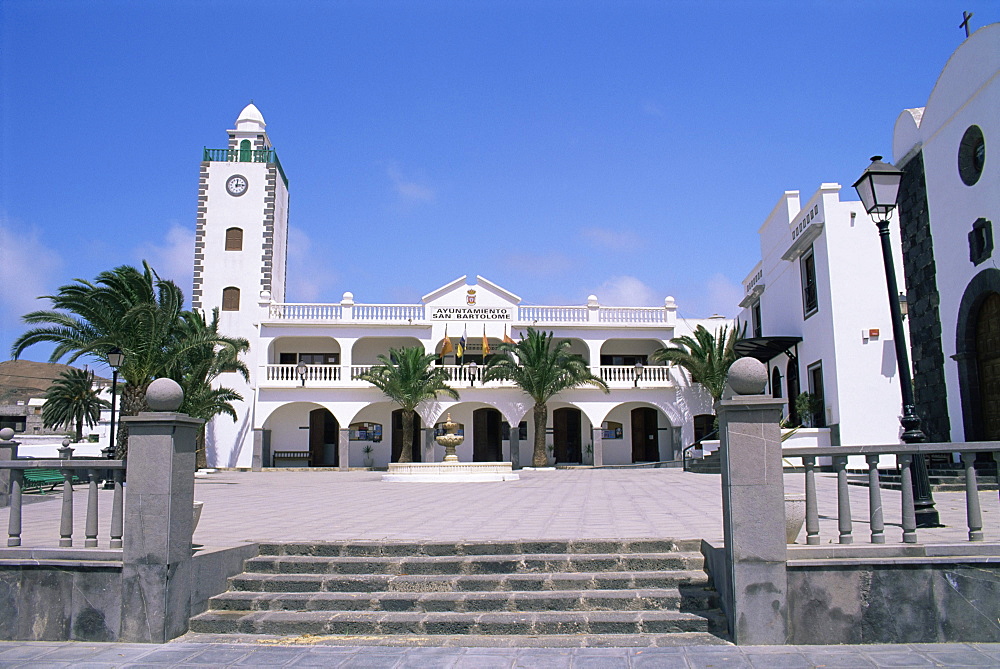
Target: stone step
x=477 y=640
x=609 y=580
x=687 y=598
x=451 y=548
x=474 y=564
x=488 y=623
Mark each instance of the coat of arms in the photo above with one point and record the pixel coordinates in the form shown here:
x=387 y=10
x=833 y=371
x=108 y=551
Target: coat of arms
x=470 y=298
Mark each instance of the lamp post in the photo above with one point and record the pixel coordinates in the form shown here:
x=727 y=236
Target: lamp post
x=878 y=187
x=301 y=370
x=115 y=360
x=638 y=373
x=472 y=373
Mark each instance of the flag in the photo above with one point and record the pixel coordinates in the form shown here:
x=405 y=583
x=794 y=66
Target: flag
x=446 y=346
x=506 y=338
x=486 y=344
x=460 y=351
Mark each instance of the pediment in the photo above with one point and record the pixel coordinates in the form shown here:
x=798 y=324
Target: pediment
x=461 y=293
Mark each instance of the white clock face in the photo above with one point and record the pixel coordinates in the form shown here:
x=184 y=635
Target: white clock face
x=236 y=185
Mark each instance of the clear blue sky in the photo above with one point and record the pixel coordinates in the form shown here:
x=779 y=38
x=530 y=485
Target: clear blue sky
x=627 y=149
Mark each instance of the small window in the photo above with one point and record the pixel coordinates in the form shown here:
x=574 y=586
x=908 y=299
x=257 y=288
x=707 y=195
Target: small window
x=776 y=383
x=245 y=151
x=231 y=299
x=755 y=320
x=319 y=358
x=808 y=269
x=234 y=239
x=971 y=155
x=981 y=241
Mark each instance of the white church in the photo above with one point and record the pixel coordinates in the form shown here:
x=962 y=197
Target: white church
x=303 y=405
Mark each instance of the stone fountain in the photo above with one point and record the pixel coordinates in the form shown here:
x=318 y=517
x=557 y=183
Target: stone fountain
x=450 y=470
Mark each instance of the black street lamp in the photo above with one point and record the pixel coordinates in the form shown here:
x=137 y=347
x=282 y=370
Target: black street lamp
x=878 y=187
x=115 y=360
x=301 y=370
x=638 y=373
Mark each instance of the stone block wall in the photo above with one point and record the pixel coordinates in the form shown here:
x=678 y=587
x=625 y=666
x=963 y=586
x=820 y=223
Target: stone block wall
x=924 y=320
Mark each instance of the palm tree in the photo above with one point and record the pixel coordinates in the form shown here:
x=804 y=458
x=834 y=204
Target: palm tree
x=197 y=368
x=73 y=400
x=408 y=377
x=706 y=356
x=541 y=367
x=135 y=311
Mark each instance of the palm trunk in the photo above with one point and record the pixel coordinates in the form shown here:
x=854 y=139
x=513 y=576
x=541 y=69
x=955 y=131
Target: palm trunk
x=79 y=429
x=539 y=457
x=133 y=401
x=406 y=452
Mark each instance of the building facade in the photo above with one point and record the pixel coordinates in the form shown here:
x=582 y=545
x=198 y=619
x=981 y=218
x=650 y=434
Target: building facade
x=304 y=405
x=817 y=313
x=949 y=201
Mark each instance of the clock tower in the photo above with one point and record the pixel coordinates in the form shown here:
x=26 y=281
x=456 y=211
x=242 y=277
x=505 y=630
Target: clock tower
x=241 y=242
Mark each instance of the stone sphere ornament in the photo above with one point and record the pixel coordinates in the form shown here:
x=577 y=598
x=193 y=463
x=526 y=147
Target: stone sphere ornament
x=164 y=395
x=748 y=376
x=6 y=434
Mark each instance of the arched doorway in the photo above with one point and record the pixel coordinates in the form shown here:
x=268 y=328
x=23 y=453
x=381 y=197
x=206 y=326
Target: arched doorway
x=486 y=434
x=324 y=439
x=645 y=435
x=397 y=437
x=567 y=435
x=988 y=367
x=245 y=151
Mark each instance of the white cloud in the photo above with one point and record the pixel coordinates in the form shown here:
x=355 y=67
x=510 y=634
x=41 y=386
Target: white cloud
x=613 y=240
x=28 y=269
x=173 y=258
x=308 y=275
x=409 y=189
x=724 y=295
x=627 y=291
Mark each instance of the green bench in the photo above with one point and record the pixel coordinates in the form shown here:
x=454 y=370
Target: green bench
x=39 y=479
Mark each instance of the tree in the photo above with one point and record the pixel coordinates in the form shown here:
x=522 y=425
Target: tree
x=135 y=311
x=73 y=400
x=408 y=377
x=706 y=356
x=541 y=367
x=197 y=368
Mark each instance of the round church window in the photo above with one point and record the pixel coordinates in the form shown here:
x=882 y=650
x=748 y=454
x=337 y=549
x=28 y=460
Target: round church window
x=971 y=155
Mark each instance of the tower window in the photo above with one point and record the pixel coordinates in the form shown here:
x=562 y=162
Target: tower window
x=231 y=299
x=808 y=271
x=234 y=239
x=245 y=151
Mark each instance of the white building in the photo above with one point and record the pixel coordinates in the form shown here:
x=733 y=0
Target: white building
x=949 y=201
x=327 y=418
x=817 y=312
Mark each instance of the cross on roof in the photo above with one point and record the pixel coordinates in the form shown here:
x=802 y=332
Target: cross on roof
x=965 y=22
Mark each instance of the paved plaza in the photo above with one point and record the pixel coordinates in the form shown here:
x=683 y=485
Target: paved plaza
x=560 y=504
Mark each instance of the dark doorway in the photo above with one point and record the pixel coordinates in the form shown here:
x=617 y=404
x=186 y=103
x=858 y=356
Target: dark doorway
x=645 y=440
x=486 y=435
x=704 y=425
x=792 y=382
x=324 y=439
x=566 y=435
x=988 y=366
x=397 y=436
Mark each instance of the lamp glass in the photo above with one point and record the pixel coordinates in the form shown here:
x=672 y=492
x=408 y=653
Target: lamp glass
x=115 y=358
x=878 y=187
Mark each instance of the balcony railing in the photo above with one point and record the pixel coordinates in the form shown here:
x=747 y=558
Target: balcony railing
x=417 y=313
x=269 y=156
x=335 y=376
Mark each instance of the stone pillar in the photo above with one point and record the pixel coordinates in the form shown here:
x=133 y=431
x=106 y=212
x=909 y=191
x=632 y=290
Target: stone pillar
x=159 y=519
x=429 y=444
x=344 y=450
x=753 y=508
x=515 y=447
x=258 y=450
x=8 y=451
x=598 y=447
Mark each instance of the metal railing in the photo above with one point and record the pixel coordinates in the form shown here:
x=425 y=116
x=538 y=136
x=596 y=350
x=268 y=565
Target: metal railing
x=904 y=458
x=269 y=156
x=714 y=434
x=69 y=469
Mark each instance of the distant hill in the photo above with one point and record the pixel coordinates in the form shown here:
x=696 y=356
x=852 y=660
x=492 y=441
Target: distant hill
x=20 y=380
